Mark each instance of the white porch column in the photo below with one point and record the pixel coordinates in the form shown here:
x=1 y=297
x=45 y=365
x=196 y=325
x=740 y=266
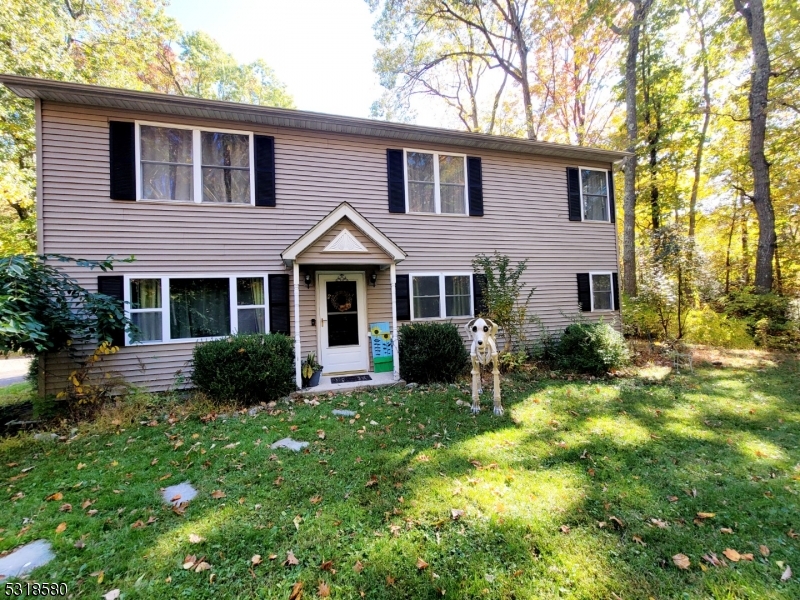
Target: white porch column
x=395 y=345
x=297 y=359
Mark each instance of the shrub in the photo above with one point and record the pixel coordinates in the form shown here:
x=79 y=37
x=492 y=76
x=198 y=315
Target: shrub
x=708 y=327
x=245 y=368
x=592 y=348
x=431 y=352
x=768 y=318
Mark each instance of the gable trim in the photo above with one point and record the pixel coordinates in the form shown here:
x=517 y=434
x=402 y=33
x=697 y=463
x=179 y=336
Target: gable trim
x=344 y=242
x=344 y=210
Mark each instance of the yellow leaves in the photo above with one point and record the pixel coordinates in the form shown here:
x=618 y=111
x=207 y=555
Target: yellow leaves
x=706 y=515
x=681 y=561
x=734 y=556
x=725 y=530
x=100 y=576
x=55 y=497
x=62 y=527
x=81 y=466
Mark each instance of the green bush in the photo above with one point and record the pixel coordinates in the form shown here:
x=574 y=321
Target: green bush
x=640 y=318
x=431 y=352
x=592 y=348
x=767 y=317
x=245 y=368
x=705 y=326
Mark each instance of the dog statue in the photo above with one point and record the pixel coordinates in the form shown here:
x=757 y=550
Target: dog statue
x=483 y=333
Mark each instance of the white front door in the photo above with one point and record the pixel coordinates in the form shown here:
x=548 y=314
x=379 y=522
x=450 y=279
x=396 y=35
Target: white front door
x=342 y=314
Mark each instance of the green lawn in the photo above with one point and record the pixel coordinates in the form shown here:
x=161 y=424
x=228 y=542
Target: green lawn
x=16 y=393
x=584 y=489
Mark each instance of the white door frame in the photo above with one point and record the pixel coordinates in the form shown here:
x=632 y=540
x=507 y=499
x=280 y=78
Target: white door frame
x=363 y=318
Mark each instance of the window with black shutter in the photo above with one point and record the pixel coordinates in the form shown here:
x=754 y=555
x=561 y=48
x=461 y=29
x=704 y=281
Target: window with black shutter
x=475 y=186
x=113 y=286
x=122 y=160
x=478 y=287
x=264 y=147
x=584 y=292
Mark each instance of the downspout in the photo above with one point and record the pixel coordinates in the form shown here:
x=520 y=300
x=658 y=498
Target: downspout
x=395 y=345
x=297 y=360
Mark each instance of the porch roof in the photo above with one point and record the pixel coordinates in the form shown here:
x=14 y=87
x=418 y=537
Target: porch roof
x=344 y=211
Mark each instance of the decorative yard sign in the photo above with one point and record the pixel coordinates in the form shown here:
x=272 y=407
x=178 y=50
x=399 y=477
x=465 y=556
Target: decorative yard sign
x=382 y=347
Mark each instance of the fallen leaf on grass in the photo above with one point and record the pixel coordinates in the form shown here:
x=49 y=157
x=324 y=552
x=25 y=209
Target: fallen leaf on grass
x=92 y=512
x=764 y=550
x=80 y=545
x=681 y=561
x=732 y=555
x=316 y=499
x=706 y=515
x=99 y=574
x=672 y=498
x=195 y=539
x=112 y=595
x=358 y=567
x=217 y=494
x=638 y=540
x=81 y=466
x=456 y=513
x=793 y=534
x=86 y=504
x=175 y=498
x=137 y=525
x=61 y=528
x=297 y=591
x=373 y=480
x=564 y=529
x=256 y=560
x=327 y=565
x=202 y=566
x=421 y=564
x=321 y=434
x=65 y=508
x=323 y=590
x=725 y=530
x=55 y=497
x=189 y=561
x=659 y=523
x=151 y=520
x=291 y=560
x=390 y=580
x=712 y=559
x=163 y=477
x=787 y=574
x=278 y=481
x=617 y=522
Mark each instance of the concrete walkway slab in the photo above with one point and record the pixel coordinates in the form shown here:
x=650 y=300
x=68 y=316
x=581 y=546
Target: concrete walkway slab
x=25 y=559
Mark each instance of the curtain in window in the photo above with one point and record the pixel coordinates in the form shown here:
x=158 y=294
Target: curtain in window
x=199 y=308
x=595 y=195
x=166 y=156
x=226 y=167
x=146 y=296
x=250 y=292
x=421 y=192
x=451 y=184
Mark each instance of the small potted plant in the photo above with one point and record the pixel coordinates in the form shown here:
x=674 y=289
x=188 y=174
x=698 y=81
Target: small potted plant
x=311 y=370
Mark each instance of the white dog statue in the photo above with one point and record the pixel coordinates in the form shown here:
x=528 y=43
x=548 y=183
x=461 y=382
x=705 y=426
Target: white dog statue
x=483 y=334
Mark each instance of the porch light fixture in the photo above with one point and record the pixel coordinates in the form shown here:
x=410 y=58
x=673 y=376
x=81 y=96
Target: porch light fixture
x=307 y=279
x=373 y=278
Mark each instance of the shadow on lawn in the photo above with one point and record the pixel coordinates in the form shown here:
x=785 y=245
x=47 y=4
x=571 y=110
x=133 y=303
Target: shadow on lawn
x=571 y=454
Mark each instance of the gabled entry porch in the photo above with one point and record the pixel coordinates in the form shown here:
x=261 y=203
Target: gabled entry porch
x=343 y=279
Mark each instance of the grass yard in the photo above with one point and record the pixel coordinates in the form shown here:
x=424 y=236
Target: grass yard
x=584 y=489
x=16 y=393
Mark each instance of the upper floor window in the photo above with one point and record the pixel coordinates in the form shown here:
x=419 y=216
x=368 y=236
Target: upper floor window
x=192 y=165
x=594 y=195
x=437 y=295
x=435 y=182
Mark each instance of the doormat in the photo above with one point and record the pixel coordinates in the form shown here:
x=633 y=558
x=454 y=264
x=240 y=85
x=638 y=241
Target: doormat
x=351 y=378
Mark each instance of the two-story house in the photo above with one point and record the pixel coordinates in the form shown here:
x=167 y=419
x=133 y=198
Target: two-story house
x=254 y=219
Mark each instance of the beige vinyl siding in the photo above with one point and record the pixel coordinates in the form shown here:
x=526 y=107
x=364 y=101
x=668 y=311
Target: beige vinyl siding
x=525 y=200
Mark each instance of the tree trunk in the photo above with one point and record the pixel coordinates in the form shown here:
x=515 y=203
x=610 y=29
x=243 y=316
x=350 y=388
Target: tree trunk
x=631 y=125
x=698 y=159
x=745 y=245
x=753 y=15
x=522 y=50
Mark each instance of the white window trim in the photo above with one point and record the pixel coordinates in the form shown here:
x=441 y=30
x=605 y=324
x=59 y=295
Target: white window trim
x=437 y=201
x=164 y=310
x=197 y=166
x=442 y=296
x=591 y=290
x=608 y=195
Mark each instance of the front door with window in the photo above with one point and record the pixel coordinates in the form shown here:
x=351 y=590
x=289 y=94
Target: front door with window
x=342 y=313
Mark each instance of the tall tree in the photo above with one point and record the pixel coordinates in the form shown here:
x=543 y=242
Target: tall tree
x=632 y=29
x=753 y=13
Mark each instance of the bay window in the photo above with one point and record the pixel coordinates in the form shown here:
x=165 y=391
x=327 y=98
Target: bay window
x=439 y=295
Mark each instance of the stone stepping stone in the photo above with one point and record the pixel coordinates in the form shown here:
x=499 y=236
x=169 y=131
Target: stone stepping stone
x=25 y=559
x=344 y=413
x=290 y=444
x=185 y=490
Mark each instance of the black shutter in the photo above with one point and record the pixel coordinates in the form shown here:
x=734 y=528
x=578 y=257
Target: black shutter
x=401 y=298
x=475 y=186
x=478 y=301
x=611 y=202
x=396 y=181
x=584 y=292
x=122 y=156
x=615 y=277
x=279 y=304
x=112 y=285
x=574 y=193
x=264 y=147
